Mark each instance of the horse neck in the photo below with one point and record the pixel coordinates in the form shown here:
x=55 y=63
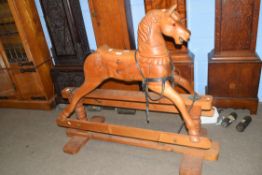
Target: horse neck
x=155 y=46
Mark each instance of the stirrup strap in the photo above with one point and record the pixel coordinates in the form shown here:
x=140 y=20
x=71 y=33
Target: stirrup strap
x=148 y=80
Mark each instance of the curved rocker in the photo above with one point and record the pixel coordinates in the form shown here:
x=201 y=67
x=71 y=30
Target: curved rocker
x=153 y=62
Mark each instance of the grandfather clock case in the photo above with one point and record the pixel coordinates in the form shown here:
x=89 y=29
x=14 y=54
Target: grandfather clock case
x=233 y=65
x=182 y=58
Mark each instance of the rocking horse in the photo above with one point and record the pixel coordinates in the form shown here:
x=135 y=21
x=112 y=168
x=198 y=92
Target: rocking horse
x=152 y=66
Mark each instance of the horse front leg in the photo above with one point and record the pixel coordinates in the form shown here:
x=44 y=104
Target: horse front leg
x=84 y=89
x=171 y=94
x=183 y=83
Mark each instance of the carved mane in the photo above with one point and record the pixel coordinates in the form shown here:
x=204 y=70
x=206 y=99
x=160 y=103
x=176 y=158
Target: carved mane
x=144 y=28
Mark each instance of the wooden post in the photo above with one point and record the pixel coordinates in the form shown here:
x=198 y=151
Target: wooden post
x=195 y=114
x=80 y=111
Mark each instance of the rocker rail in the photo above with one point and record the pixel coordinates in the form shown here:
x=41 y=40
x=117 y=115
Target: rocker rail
x=137 y=133
x=211 y=154
x=136 y=100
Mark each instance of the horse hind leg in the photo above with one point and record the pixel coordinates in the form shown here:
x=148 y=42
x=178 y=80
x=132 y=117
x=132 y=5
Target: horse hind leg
x=84 y=89
x=171 y=94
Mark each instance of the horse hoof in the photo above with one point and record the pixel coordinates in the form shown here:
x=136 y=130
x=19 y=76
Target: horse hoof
x=63 y=115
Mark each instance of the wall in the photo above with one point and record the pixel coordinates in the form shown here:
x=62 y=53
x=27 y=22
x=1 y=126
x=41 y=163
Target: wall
x=200 y=22
x=200 y=15
x=259 y=50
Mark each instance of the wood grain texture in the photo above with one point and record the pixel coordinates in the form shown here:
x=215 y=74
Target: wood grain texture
x=181 y=8
x=137 y=133
x=66 y=28
x=184 y=66
x=234 y=82
x=192 y=165
x=236 y=27
x=136 y=100
x=69 y=41
x=31 y=77
x=7 y=88
x=210 y=154
x=113 y=33
x=182 y=58
x=28 y=104
x=117 y=33
x=233 y=66
x=74 y=145
x=130 y=96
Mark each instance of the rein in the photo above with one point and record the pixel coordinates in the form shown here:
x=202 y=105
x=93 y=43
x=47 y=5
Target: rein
x=149 y=80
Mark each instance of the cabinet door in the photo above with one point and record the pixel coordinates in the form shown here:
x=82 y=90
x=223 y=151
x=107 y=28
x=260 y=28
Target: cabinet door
x=25 y=80
x=112 y=23
x=27 y=84
x=66 y=28
x=7 y=88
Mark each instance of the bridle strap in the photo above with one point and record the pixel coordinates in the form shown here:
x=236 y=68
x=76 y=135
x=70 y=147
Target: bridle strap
x=150 y=80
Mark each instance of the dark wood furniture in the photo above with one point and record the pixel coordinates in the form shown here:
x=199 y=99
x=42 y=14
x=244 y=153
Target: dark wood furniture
x=233 y=66
x=69 y=42
x=112 y=23
x=24 y=58
x=183 y=59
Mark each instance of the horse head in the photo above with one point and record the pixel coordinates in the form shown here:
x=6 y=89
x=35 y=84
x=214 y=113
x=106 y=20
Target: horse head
x=171 y=25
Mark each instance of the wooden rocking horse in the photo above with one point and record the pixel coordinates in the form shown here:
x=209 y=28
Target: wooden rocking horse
x=151 y=65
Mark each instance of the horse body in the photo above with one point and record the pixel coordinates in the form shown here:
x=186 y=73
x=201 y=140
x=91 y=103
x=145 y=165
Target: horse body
x=152 y=59
x=111 y=63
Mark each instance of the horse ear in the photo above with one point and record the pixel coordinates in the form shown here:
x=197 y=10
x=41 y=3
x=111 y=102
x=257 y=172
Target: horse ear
x=172 y=9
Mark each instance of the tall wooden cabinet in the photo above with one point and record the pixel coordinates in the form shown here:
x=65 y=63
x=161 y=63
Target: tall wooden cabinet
x=25 y=63
x=233 y=66
x=69 y=42
x=183 y=59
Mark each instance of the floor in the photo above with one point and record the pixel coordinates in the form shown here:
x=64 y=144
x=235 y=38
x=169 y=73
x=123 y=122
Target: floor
x=31 y=144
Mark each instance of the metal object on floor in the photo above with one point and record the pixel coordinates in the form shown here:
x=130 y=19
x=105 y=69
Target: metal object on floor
x=241 y=126
x=226 y=121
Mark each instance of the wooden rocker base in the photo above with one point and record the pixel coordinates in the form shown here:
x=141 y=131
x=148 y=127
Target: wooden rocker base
x=210 y=154
x=81 y=130
x=77 y=140
x=192 y=159
x=191 y=163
